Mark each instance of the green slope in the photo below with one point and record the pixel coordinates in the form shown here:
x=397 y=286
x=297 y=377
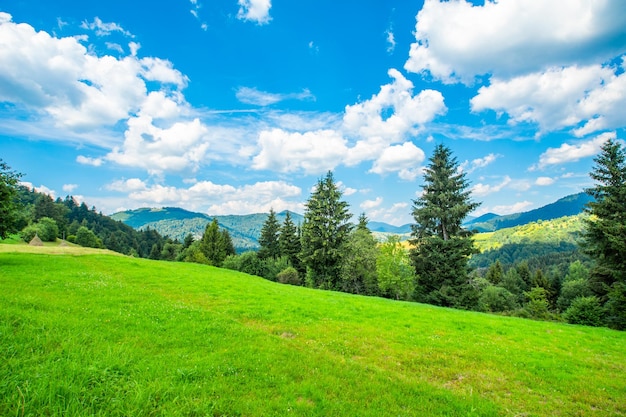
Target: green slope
x=567 y=206
x=105 y=335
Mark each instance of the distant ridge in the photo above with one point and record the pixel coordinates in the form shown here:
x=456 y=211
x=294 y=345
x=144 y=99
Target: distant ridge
x=245 y=229
x=177 y=223
x=566 y=206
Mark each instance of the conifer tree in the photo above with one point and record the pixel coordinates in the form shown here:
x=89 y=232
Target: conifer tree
x=289 y=242
x=441 y=247
x=605 y=234
x=358 y=271
x=324 y=232
x=268 y=241
x=216 y=245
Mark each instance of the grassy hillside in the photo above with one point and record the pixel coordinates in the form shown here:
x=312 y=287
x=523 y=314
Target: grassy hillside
x=107 y=335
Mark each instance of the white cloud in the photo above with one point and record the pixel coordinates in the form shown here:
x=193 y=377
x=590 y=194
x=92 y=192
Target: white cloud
x=603 y=106
x=544 y=181
x=406 y=159
x=261 y=98
x=42 y=188
x=68 y=188
x=132 y=184
x=391 y=41
x=522 y=36
x=77 y=89
x=214 y=198
x=553 y=99
x=478 y=163
x=181 y=146
x=394 y=112
x=255 y=10
x=481 y=190
x=312 y=152
x=512 y=208
x=85 y=160
x=105 y=29
x=571 y=153
x=370 y=204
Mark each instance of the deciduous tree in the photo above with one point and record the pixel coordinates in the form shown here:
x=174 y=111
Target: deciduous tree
x=8 y=189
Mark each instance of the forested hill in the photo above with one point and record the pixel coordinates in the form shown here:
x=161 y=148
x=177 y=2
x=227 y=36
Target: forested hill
x=566 y=206
x=245 y=229
x=178 y=223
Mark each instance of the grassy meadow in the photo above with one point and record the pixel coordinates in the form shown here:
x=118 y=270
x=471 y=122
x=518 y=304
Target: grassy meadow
x=83 y=332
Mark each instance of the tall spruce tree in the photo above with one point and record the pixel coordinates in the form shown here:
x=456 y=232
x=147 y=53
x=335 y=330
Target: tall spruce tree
x=289 y=242
x=324 y=231
x=441 y=247
x=605 y=234
x=268 y=241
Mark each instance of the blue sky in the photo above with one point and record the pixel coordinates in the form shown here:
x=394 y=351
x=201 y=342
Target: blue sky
x=236 y=106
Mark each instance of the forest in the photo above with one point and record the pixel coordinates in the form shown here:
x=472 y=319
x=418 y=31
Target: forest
x=570 y=269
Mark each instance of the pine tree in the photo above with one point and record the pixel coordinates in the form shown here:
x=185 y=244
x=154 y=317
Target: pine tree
x=324 y=231
x=268 y=241
x=605 y=234
x=289 y=242
x=216 y=245
x=441 y=247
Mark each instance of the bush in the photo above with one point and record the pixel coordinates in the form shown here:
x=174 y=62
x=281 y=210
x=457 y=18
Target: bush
x=28 y=233
x=586 y=311
x=46 y=228
x=572 y=290
x=537 y=306
x=87 y=238
x=289 y=275
x=497 y=299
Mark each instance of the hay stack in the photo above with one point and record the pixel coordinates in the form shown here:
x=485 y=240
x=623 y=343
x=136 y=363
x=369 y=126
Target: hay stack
x=36 y=241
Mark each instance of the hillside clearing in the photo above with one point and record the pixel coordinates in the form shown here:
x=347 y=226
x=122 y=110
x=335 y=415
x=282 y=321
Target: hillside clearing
x=110 y=335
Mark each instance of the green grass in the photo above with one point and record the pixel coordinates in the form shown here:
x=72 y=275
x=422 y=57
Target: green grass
x=100 y=335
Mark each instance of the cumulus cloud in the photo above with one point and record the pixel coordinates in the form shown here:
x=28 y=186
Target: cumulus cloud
x=394 y=111
x=68 y=188
x=572 y=152
x=556 y=98
x=312 y=152
x=176 y=148
x=406 y=159
x=544 y=181
x=85 y=160
x=522 y=36
x=214 y=198
x=370 y=204
x=255 y=10
x=78 y=90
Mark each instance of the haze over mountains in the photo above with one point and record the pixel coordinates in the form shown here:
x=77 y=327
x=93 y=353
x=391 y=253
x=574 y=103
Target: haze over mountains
x=245 y=229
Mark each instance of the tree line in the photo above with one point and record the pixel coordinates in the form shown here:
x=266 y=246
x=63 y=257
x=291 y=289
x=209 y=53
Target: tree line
x=327 y=251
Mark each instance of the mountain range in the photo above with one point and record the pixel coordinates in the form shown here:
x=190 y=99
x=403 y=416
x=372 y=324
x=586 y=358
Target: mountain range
x=245 y=229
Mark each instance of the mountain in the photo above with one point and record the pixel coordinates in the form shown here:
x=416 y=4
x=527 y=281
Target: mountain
x=178 y=223
x=566 y=206
x=388 y=228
